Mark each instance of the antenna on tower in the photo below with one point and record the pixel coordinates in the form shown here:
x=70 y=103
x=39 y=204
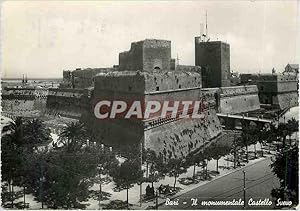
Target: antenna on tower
x=206 y=33
x=202 y=35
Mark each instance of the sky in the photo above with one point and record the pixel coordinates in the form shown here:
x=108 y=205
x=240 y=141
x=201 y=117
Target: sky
x=41 y=39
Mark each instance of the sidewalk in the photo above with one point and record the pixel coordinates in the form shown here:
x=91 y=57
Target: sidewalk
x=194 y=186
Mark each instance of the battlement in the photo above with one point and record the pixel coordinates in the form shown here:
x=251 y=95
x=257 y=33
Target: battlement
x=144 y=81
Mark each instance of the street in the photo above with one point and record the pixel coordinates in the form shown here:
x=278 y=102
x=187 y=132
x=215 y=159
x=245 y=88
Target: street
x=259 y=182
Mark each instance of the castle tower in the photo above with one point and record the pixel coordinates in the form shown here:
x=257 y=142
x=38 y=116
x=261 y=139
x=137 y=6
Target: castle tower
x=214 y=59
x=149 y=54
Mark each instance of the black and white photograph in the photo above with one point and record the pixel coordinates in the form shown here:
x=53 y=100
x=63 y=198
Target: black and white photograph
x=150 y=105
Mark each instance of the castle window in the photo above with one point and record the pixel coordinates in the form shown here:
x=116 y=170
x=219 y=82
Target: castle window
x=129 y=88
x=179 y=86
x=157 y=88
x=156 y=68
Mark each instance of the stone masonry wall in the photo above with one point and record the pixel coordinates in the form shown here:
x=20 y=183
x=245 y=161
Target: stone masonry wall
x=239 y=99
x=27 y=102
x=286 y=100
x=177 y=139
x=67 y=102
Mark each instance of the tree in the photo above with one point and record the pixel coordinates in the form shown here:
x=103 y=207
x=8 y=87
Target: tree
x=217 y=151
x=73 y=136
x=61 y=179
x=285 y=167
x=195 y=159
x=149 y=157
x=234 y=149
x=24 y=138
x=245 y=139
x=263 y=137
x=271 y=135
x=283 y=131
x=155 y=167
x=176 y=167
x=292 y=126
x=127 y=174
x=35 y=134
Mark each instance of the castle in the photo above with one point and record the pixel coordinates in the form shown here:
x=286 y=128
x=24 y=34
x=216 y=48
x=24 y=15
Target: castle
x=147 y=72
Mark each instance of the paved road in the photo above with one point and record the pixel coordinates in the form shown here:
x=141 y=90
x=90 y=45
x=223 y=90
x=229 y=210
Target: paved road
x=260 y=182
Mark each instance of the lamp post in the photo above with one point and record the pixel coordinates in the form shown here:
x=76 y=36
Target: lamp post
x=42 y=180
x=100 y=169
x=156 y=199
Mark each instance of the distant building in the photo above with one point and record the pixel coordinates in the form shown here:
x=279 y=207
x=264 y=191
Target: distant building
x=291 y=68
x=214 y=59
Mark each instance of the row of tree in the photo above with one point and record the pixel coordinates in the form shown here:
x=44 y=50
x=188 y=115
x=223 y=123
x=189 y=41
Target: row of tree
x=58 y=178
x=61 y=177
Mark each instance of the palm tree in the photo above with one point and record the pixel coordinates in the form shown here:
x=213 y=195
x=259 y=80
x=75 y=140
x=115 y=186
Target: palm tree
x=11 y=146
x=73 y=136
x=36 y=134
x=23 y=138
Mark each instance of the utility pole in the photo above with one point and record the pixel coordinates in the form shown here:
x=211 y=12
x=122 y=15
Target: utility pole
x=24 y=196
x=141 y=151
x=285 y=173
x=244 y=189
x=12 y=194
x=234 y=159
x=42 y=179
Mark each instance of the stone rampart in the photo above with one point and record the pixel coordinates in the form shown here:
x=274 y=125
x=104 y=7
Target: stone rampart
x=67 y=102
x=239 y=99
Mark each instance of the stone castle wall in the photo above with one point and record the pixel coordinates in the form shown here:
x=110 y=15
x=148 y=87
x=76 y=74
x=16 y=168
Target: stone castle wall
x=27 y=102
x=67 y=102
x=239 y=99
x=286 y=100
x=168 y=136
x=177 y=139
